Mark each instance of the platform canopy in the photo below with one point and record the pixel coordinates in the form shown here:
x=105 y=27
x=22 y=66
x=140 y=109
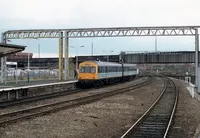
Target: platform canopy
x=7 y=49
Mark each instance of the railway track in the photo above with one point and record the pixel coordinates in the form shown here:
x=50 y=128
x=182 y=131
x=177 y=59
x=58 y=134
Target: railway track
x=49 y=108
x=156 y=121
x=9 y=103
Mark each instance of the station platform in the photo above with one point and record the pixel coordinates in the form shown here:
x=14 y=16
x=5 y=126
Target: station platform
x=192 y=90
x=31 y=83
x=35 y=88
x=197 y=96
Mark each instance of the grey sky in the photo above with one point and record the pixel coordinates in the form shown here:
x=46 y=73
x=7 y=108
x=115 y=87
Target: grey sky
x=31 y=14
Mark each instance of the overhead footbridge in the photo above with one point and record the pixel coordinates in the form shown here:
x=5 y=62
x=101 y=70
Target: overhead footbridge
x=159 y=57
x=146 y=57
x=178 y=57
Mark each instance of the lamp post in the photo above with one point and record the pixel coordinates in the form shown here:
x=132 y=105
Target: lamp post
x=92 y=47
x=38 y=48
x=38 y=42
x=76 y=47
x=155 y=43
x=107 y=54
x=28 y=55
x=28 y=63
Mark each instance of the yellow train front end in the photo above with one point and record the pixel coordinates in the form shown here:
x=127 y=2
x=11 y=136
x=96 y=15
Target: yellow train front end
x=88 y=73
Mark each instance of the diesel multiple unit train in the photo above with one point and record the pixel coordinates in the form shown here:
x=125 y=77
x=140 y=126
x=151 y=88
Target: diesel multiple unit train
x=97 y=73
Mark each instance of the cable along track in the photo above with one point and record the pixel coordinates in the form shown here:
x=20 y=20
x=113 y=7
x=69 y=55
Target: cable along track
x=155 y=122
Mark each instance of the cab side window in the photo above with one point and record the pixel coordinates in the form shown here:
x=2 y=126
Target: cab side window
x=93 y=69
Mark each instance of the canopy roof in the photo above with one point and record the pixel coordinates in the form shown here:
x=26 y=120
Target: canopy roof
x=7 y=49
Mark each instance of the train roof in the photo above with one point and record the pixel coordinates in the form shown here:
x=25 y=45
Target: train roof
x=130 y=65
x=102 y=63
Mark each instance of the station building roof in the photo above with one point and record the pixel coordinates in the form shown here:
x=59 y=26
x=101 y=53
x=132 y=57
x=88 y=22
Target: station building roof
x=7 y=49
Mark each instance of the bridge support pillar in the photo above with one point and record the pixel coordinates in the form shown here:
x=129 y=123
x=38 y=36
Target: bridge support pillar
x=61 y=56
x=3 y=70
x=66 y=56
x=3 y=63
x=196 y=57
x=198 y=89
x=2 y=74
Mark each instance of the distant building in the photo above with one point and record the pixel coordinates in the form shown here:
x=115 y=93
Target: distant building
x=19 y=55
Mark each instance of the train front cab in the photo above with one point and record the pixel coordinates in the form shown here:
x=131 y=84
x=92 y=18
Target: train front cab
x=87 y=74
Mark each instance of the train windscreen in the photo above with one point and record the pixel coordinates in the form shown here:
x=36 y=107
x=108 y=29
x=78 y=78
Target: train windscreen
x=87 y=69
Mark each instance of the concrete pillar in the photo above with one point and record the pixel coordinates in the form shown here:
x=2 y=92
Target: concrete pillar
x=198 y=89
x=4 y=70
x=196 y=56
x=17 y=94
x=3 y=67
x=189 y=80
x=8 y=95
x=16 y=77
x=197 y=78
x=2 y=77
x=61 y=56
x=66 y=56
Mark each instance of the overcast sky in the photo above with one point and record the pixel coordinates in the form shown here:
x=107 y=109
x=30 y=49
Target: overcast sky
x=36 y=14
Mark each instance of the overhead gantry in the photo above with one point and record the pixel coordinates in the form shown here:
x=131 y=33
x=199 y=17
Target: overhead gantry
x=65 y=34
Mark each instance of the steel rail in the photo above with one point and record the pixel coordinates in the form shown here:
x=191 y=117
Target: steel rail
x=151 y=108
x=174 y=108
x=19 y=115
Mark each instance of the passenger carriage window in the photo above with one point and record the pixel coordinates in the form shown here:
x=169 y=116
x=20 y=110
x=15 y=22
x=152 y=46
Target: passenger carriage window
x=100 y=69
x=125 y=69
x=104 y=69
x=109 y=69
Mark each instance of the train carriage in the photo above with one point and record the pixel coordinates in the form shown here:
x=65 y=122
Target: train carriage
x=95 y=73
